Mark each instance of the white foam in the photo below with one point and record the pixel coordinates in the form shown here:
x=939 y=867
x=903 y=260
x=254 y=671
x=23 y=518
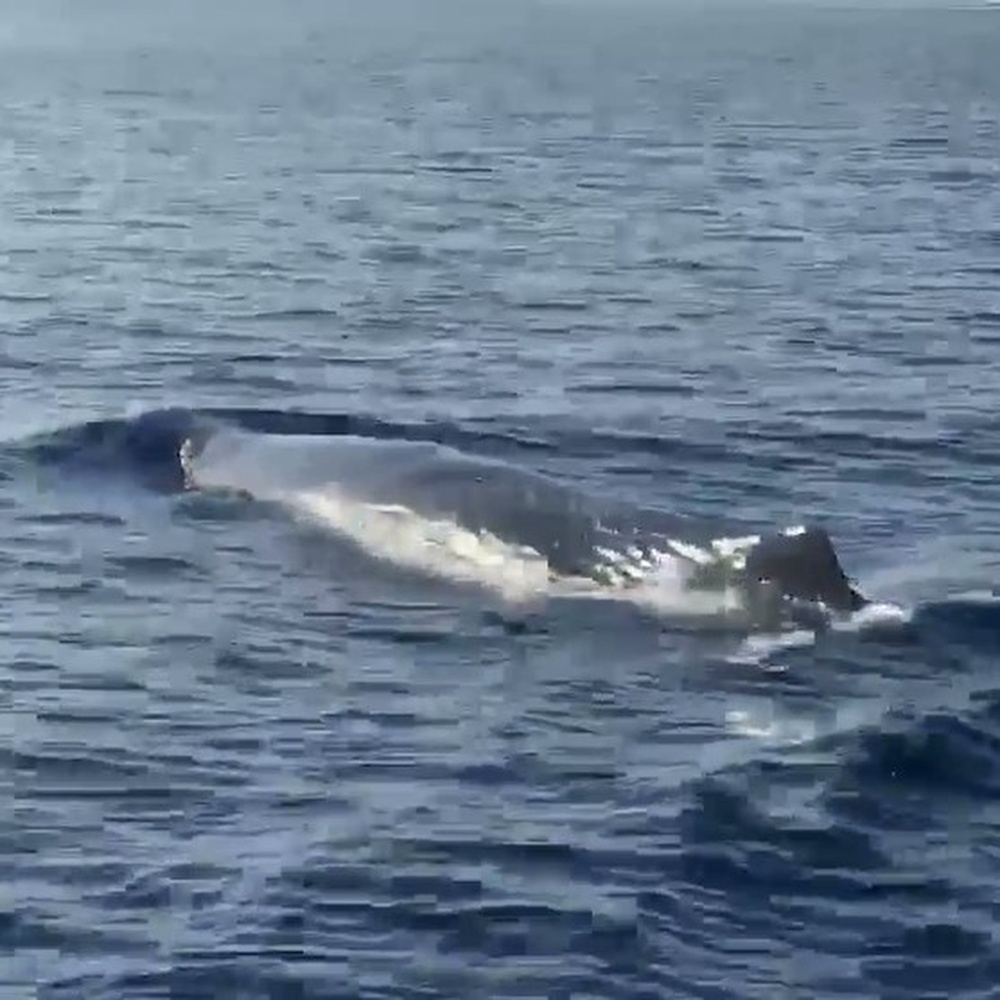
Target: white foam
x=874 y=615
x=734 y=550
x=757 y=650
x=728 y=551
x=691 y=552
x=436 y=547
x=661 y=589
x=789 y=731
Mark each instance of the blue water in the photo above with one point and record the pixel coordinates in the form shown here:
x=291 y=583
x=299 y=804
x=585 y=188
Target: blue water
x=737 y=263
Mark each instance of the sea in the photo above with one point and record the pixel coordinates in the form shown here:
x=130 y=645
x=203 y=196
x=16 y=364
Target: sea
x=266 y=734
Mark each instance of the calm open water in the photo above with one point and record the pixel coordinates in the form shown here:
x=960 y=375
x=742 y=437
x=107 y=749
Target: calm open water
x=734 y=262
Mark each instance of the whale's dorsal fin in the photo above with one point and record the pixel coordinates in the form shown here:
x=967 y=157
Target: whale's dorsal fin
x=803 y=564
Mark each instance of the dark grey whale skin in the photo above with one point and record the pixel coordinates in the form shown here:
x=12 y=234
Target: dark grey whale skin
x=803 y=567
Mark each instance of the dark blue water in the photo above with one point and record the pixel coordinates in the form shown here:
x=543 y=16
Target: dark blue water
x=734 y=263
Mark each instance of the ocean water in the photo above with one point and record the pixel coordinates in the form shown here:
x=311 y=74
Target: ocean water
x=734 y=263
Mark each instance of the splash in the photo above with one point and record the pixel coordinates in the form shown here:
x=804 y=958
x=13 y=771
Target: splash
x=677 y=580
x=760 y=650
x=880 y=614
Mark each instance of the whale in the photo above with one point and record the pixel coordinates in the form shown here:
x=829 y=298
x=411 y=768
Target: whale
x=614 y=544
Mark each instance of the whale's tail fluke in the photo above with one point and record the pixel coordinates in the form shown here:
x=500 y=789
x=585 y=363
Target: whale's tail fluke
x=802 y=565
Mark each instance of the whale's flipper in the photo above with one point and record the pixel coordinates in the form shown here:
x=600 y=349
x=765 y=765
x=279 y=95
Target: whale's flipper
x=802 y=565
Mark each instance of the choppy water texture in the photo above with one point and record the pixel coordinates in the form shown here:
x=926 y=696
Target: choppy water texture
x=732 y=263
